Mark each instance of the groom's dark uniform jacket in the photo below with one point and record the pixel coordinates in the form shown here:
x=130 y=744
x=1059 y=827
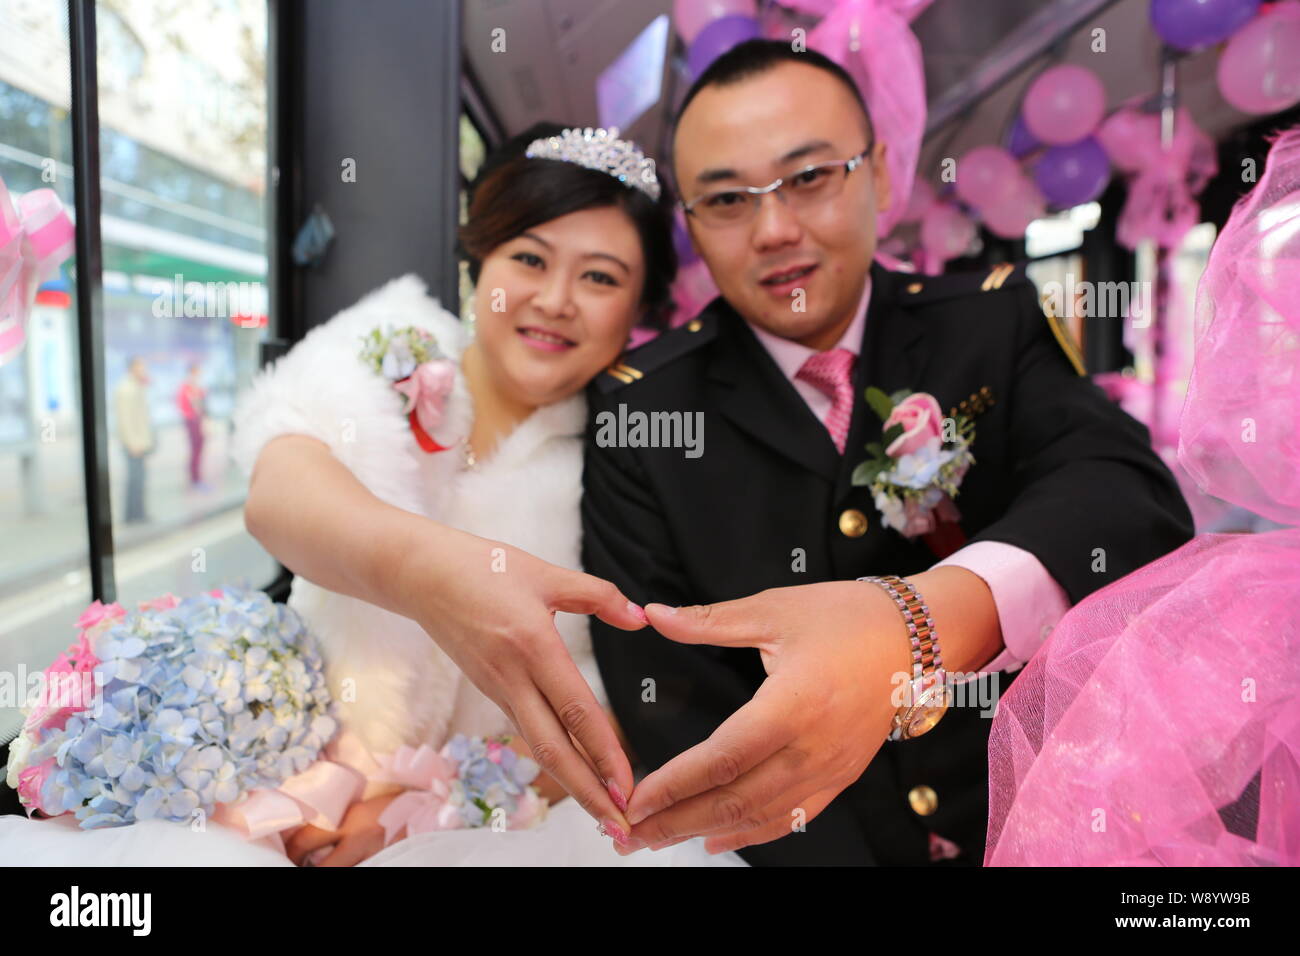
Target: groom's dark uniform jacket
x=1059 y=471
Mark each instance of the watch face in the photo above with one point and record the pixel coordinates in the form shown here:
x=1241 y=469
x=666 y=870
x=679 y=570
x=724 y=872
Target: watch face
x=931 y=704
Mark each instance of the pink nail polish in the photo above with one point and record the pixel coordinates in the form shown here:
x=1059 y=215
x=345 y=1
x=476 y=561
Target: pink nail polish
x=611 y=829
x=616 y=795
x=638 y=612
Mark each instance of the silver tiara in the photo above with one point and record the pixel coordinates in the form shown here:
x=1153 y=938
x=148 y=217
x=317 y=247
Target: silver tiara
x=600 y=149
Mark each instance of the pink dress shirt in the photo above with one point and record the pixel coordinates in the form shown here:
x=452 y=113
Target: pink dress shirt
x=1029 y=602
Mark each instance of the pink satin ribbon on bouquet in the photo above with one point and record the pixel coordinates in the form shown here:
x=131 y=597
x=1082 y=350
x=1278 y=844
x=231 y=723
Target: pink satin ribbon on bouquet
x=319 y=796
x=36 y=236
x=347 y=771
x=423 y=806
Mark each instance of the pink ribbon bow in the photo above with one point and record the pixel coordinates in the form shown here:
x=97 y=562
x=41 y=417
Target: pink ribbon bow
x=35 y=237
x=426 y=390
x=319 y=796
x=1161 y=202
x=424 y=806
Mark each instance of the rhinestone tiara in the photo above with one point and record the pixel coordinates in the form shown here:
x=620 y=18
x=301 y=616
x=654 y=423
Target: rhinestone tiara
x=600 y=149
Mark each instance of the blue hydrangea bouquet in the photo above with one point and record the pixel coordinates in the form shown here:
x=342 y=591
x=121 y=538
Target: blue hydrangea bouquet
x=169 y=710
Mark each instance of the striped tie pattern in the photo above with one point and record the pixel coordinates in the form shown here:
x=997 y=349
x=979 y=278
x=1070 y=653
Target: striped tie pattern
x=831 y=373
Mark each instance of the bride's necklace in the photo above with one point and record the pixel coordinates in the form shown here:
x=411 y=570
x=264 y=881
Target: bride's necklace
x=471 y=460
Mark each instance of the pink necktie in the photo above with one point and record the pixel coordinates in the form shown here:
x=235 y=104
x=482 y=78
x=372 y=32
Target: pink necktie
x=832 y=374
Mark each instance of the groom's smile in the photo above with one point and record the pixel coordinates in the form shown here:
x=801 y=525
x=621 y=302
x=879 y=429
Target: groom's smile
x=782 y=282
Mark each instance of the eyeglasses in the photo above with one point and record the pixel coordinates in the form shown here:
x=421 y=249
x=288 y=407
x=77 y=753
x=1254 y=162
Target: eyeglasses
x=811 y=186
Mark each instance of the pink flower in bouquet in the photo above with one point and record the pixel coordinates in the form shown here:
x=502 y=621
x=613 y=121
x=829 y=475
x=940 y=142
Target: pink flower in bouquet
x=30 y=782
x=62 y=682
x=80 y=655
x=164 y=603
x=99 y=612
x=921 y=421
x=530 y=811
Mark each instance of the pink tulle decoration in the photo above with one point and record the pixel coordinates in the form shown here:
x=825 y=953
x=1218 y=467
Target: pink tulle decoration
x=945 y=234
x=1240 y=430
x=1160 y=722
x=873 y=41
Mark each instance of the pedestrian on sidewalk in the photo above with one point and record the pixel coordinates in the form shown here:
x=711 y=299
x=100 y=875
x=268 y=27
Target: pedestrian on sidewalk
x=135 y=431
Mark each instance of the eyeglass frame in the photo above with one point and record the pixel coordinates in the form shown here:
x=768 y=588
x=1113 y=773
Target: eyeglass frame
x=756 y=193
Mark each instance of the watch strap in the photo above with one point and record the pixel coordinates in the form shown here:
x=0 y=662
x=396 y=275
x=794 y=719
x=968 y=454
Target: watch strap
x=926 y=658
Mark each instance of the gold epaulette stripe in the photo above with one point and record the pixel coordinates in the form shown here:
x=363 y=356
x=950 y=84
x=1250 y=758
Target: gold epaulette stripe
x=999 y=275
x=1063 y=337
x=625 y=373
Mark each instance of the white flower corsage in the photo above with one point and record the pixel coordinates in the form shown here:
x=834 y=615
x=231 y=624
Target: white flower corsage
x=915 y=470
x=410 y=358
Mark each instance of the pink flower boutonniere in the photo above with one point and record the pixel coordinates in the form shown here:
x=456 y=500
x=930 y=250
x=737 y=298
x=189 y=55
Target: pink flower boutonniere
x=915 y=471
x=411 y=360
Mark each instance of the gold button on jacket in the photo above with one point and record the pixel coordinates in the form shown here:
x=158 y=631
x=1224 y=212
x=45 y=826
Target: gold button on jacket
x=853 y=523
x=923 y=800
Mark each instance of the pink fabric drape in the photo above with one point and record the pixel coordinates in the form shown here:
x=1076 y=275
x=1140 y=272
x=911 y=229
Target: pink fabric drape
x=1160 y=722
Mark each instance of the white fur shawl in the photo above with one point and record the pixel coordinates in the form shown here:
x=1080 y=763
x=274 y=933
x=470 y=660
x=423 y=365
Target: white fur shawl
x=392 y=682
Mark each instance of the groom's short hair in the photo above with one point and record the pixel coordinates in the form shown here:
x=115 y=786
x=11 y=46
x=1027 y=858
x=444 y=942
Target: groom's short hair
x=754 y=57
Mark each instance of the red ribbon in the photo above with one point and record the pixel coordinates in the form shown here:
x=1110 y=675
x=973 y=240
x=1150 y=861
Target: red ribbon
x=422 y=438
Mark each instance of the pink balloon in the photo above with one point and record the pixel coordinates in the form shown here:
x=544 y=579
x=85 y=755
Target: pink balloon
x=1130 y=137
x=692 y=16
x=945 y=232
x=1011 y=217
x=1064 y=104
x=1259 y=71
x=986 y=175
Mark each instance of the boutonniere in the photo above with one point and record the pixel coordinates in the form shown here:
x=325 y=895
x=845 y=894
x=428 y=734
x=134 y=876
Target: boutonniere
x=411 y=360
x=916 y=468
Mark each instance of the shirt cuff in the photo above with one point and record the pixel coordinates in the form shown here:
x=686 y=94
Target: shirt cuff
x=1029 y=602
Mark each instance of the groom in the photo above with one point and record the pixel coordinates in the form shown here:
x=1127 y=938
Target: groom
x=764 y=718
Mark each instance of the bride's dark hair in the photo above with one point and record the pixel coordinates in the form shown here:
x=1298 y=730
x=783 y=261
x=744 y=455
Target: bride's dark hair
x=512 y=193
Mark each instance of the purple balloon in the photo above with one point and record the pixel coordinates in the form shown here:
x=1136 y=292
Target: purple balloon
x=716 y=39
x=1192 y=24
x=1020 y=142
x=1074 y=173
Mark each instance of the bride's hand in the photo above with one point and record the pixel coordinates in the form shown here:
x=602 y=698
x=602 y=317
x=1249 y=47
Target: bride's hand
x=358 y=837
x=494 y=617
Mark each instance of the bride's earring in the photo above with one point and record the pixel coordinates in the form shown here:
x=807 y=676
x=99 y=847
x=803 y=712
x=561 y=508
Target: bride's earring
x=469 y=315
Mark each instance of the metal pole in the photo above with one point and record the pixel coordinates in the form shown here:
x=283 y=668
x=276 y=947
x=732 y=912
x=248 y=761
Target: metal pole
x=1164 y=256
x=90 y=292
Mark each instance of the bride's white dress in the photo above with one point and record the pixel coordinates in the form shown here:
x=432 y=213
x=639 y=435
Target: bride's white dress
x=393 y=686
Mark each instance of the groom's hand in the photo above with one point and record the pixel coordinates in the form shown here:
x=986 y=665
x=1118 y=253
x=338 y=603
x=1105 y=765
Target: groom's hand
x=834 y=654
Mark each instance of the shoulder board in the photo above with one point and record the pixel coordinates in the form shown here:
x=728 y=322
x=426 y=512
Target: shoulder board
x=924 y=290
x=636 y=364
x=915 y=290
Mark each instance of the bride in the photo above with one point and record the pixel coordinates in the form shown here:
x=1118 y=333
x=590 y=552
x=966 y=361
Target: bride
x=423 y=480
